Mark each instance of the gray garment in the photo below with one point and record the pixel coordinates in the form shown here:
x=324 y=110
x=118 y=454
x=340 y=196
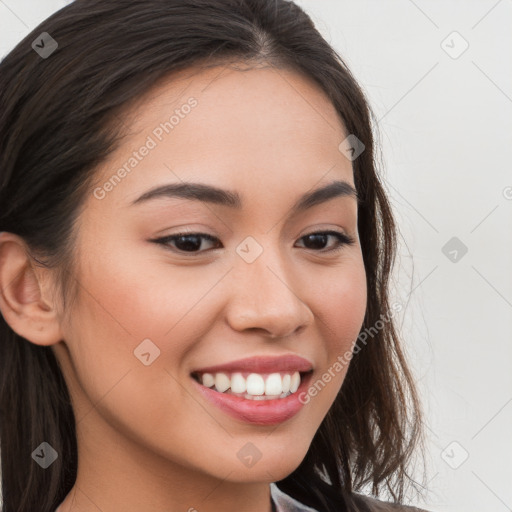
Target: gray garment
x=285 y=503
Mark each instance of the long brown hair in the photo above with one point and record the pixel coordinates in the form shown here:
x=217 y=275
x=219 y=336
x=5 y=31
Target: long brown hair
x=61 y=116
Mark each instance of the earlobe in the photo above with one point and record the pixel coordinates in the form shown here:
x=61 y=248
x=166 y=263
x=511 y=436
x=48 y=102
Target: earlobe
x=23 y=294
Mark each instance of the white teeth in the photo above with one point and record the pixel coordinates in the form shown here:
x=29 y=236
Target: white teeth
x=238 y=384
x=295 y=382
x=208 y=380
x=255 y=386
x=286 y=383
x=273 y=385
x=222 y=382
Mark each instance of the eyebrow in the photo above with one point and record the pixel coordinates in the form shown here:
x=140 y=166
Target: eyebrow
x=215 y=195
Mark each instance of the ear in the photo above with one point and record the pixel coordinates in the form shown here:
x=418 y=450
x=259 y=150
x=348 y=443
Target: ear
x=24 y=293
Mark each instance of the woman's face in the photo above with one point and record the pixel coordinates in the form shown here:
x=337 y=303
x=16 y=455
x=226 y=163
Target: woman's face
x=152 y=317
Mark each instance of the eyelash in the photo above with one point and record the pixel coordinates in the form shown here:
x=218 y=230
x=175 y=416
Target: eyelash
x=343 y=240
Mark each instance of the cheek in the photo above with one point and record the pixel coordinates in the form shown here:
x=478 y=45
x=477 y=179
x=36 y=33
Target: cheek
x=123 y=304
x=341 y=308
x=137 y=298
x=109 y=323
x=119 y=307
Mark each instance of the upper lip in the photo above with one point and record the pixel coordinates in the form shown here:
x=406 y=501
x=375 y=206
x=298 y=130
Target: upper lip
x=262 y=364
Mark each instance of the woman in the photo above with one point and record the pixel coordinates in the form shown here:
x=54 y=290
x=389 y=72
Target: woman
x=141 y=370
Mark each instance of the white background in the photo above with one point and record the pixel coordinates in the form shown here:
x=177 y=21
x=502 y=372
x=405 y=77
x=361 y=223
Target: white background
x=445 y=125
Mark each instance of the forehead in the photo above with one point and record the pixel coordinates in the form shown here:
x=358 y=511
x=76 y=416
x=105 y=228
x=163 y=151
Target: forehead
x=228 y=126
x=267 y=89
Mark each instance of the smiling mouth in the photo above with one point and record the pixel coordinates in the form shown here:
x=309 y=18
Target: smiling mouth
x=253 y=386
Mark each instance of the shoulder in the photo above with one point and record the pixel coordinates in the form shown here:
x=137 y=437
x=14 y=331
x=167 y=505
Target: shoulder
x=371 y=504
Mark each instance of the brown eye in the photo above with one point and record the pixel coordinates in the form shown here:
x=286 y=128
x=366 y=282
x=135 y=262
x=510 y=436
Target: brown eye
x=185 y=242
x=318 y=240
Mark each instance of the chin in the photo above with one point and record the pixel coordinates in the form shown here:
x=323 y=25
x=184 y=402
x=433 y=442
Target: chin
x=267 y=469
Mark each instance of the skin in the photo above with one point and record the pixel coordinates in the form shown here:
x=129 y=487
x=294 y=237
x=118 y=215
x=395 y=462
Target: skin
x=147 y=439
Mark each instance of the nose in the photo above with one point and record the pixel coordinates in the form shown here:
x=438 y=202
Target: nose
x=265 y=296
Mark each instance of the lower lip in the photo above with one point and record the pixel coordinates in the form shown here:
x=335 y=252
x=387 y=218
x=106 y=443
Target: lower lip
x=258 y=412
